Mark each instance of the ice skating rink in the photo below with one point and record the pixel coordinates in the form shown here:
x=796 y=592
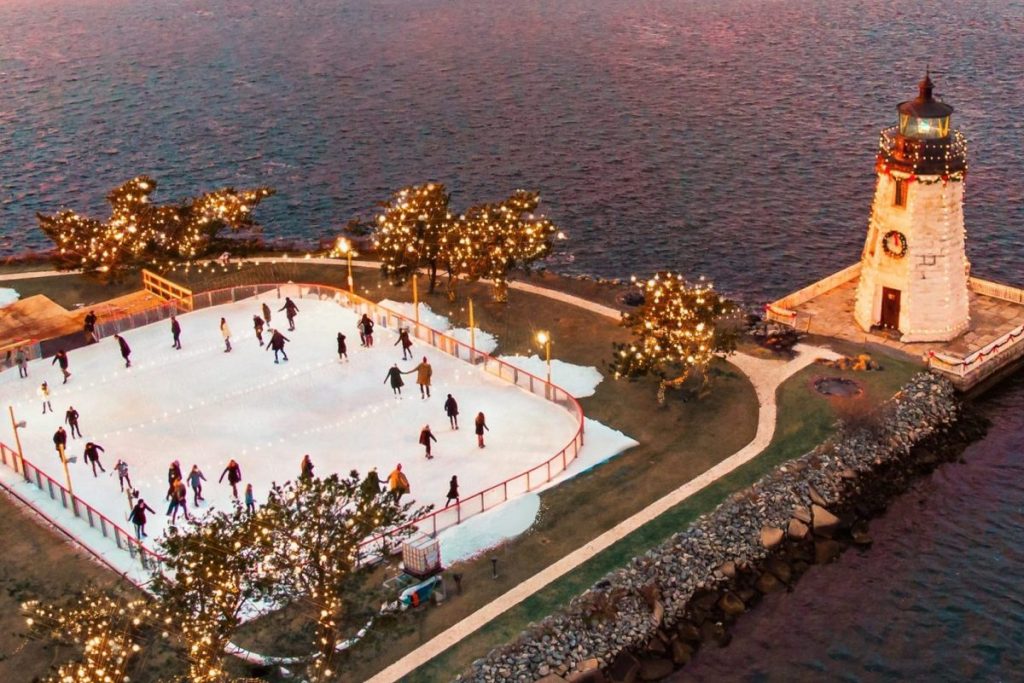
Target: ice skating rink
x=203 y=406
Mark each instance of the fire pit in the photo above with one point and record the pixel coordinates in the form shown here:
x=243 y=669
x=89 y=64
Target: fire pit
x=837 y=386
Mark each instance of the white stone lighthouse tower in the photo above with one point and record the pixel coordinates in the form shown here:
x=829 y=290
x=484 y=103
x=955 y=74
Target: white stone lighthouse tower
x=914 y=269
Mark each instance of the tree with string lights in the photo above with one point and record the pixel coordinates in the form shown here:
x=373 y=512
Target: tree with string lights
x=109 y=632
x=138 y=232
x=490 y=240
x=213 y=568
x=316 y=526
x=411 y=232
x=676 y=332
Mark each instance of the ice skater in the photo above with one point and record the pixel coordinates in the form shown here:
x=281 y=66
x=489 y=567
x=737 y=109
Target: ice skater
x=403 y=339
x=423 y=374
x=342 y=349
x=121 y=467
x=306 y=468
x=44 y=394
x=173 y=472
x=365 y=326
x=451 y=409
x=481 y=426
x=89 y=325
x=398 y=483
x=71 y=418
x=126 y=351
x=21 y=359
x=225 y=332
x=266 y=312
x=257 y=324
x=453 y=491
x=175 y=333
x=138 y=518
x=276 y=343
x=250 y=500
x=371 y=485
x=195 y=480
x=60 y=442
x=61 y=359
x=179 y=499
x=290 y=311
x=395 y=377
x=92 y=456
x=234 y=474
x=426 y=436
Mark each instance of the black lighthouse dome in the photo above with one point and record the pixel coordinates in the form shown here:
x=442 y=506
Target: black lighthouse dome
x=923 y=143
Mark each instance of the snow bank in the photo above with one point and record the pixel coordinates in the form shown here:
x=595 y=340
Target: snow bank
x=485 y=341
x=487 y=530
x=8 y=296
x=578 y=380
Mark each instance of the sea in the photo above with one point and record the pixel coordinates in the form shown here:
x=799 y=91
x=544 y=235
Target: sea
x=733 y=139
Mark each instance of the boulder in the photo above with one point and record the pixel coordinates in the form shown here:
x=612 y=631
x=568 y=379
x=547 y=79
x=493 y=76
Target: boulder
x=826 y=550
x=656 y=646
x=816 y=497
x=655 y=669
x=779 y=569
x=658 y=613
x=682 y=652
x=688 y=632
x=802 y=513
x=624 y=668
x=588 y=676
x=768 y=583
x=859 y=533
x=551 y=678
x=797 y=530
x=732 y=605
x=825 y=523
x=728 y=569
x=771 y=537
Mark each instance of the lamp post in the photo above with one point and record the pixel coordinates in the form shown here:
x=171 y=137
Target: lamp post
x=17 y=441
x=345 y=248
x=545 y=339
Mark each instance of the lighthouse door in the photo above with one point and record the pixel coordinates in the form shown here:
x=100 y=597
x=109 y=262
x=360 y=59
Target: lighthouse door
x=890 y=308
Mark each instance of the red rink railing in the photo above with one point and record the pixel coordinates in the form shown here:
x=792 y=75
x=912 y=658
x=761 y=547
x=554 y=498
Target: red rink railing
x=432 y=523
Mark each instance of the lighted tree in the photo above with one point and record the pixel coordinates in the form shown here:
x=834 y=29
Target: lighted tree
x=213 y=569
x=317 y=526
x=411 y=232
x=108 y=630
x=138 y=232
x=676 y=331
x=490 y=240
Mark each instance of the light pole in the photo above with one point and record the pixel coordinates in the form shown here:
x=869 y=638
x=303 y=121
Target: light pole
x=345 y=248
x=545 y=339
x=17 y=440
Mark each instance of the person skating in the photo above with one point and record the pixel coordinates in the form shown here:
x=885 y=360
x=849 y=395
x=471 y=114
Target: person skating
x=371 y=485
x=306 y=468
x=44 y=394
x=257 y=324
x=178 y=497
x=276 y=343
x=138 y=518
x=481 y=425
x=290 y=311
x=175 y=333
x=173 y=472
x=250 y=500
x=395 y=377
x=426 y=436
x=225 y=332
x=266 y=312
x=234 y=474
x=71 y=418
x=403 y=339
x=451 y=409
x=121 y=467
x=89 y=325
x=60 y=442
x=61 y=359
x=92 y=456
x=398 y=483
x=365 y=326
x=423 y=374
x=453 y=491
x=21 y=359
x=195 y=480
x=126 y=351
x=342 y=349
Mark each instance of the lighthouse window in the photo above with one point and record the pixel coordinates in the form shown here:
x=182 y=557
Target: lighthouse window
x=900 y=198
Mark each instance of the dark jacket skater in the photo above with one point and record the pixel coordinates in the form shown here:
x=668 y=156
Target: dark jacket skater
x=126 y=351
x=395 y=377
x=60 y=441
x=61 y=359
x=426 y=436
x=257 y=324
x=276 y=343
x=71 y=417
x=365 y=326
x=306 y=468
x=453 y=491
x=173 y=472
x=406 y=342
x=138 y=518
x=451 y=409
x=371 y=485
x=481 y=424
x=290 y=311
x=176 y=332
x=92 y=456
x=195 y=480
x=342 y=348
x=234 y=474
x=90 y=327
x=266 y=312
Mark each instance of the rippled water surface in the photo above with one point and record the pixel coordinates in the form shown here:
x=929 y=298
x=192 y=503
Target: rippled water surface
x=732 y=138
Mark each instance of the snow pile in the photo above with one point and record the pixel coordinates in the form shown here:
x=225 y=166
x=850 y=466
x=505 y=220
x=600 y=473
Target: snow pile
x=485 y=341
x=489 y=529
x=8 y=296
x=578 y=380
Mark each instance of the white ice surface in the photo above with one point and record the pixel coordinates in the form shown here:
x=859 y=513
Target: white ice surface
x=201 y=405
x=578 y=380
x=8 y=296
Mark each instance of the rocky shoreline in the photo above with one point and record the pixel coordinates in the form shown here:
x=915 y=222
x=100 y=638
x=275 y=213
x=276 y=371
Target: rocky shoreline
x=647 y=619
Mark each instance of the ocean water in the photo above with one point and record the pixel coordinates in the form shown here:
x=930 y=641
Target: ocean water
x=729 y=138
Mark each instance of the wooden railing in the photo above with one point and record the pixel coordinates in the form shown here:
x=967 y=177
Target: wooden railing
x=783 y=311
x=166 y=289
x=996 y=290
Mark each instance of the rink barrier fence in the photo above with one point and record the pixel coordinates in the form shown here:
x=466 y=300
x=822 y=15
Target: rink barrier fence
x=431 y=523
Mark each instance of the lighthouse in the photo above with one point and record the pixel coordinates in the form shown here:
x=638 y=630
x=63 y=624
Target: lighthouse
x=914 y=269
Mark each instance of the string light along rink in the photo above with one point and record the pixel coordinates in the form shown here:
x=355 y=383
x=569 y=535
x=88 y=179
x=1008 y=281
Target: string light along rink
x=204 y=406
